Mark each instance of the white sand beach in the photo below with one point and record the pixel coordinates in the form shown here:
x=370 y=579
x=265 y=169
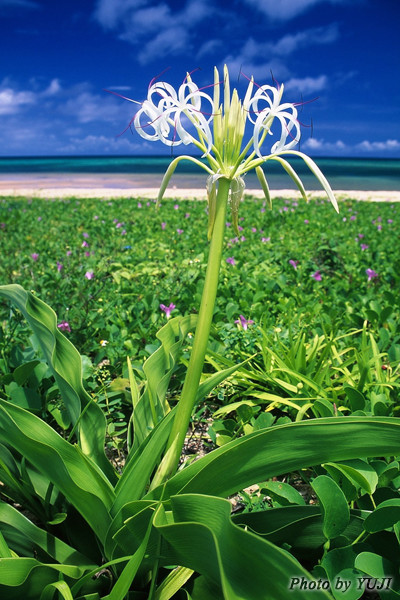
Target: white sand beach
x=145 y=186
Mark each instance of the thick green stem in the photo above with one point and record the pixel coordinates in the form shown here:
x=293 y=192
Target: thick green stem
x=196 y=362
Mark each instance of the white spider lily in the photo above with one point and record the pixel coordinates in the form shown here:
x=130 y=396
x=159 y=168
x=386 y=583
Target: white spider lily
x=164 y=110
x=285 y=113
x=165 y=116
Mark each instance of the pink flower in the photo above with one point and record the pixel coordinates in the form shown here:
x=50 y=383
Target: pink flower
x=294 y=263
x=243 y=322
x=187 y=215
x=59 y=266
x=254 y=229
x=265 y=239
x=371 y=274
x=139 y=205
x=35 y=256
x=360 y=236
x=89 y=274
x=364 y=246
x=230 y=260
x=163 y=225
x=306 y=221
x=64 y=326
x=176 y=206
x=85 y=244
x=179 y=231
x=317 y=276
x=167 y=309
x=85 y=235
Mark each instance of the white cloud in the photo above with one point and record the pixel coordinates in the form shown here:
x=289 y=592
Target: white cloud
x=100 y=144
x=320 y=145
x=158 y=28
x=388 y=145
x=11 y=101
x=317 y=35
x=283 y=10
x=307 y=85
x=209 y=47
x=87 y=107
x=109 y=13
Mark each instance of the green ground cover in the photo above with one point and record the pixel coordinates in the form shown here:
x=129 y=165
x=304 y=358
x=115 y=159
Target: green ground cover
x=308 y=304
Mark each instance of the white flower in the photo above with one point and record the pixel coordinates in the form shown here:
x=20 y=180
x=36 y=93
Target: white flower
x=165 y=110
x=264 y=117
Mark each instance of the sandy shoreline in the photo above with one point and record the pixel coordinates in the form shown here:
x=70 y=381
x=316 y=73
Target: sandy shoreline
x=146 y=186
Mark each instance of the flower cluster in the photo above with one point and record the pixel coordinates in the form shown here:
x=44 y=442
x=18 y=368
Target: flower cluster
x=218 y=128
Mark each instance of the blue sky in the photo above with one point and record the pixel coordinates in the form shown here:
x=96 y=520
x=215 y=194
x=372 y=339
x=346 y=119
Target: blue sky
x=57 y=57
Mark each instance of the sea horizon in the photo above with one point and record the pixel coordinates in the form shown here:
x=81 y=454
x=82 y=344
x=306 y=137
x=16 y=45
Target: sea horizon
x=352 y=173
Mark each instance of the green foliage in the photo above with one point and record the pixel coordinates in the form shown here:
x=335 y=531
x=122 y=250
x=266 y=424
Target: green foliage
x=304 y=407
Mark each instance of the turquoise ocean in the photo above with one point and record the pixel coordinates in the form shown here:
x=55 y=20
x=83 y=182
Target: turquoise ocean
x=342 y=173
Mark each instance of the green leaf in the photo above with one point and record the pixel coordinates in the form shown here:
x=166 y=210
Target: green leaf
x=386 y=514
x=72 y=472
x=59 y=586
x=66 y=366
x=335 y=510
x=283 y=449
x=25 y=537
x=202 y=537
x=359 y=473
x=158 y=368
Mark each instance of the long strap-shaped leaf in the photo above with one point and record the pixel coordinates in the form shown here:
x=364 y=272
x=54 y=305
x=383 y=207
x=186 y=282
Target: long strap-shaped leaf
x=202 y=537
x=81 y=482
x=65 y=362
x=158 y=369
x=283 y=449
x=21 y=532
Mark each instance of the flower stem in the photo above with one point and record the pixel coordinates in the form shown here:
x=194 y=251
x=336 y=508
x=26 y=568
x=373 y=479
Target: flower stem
x=196 y=362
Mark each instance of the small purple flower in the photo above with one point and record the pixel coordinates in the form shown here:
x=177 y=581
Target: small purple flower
x=230 y=260
x=240 y=228
x=85 y=235
x=69 y=252
x=64 y=326
x=364 y=247
x=179 y=231
x=306 y=221
x=187 y=215
x=360 y=236
x=85 y=244
x=59 y=266
x=379 y=227
x=294 y=263
x=353 y=218
x=35 y=256
x=163 y=225
x=2 y=225
x=139 y=205
x=254 y=229
x=371 y=274
x=390 y=220
x=243 y=322
x=227 y=224
x=167 y=309
x=89 y=274
x=87 y=253
x=262 y=210
x=265 y=239
x=176 y=206
x=316 y=276
x=39 y=218
x=242 y=239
